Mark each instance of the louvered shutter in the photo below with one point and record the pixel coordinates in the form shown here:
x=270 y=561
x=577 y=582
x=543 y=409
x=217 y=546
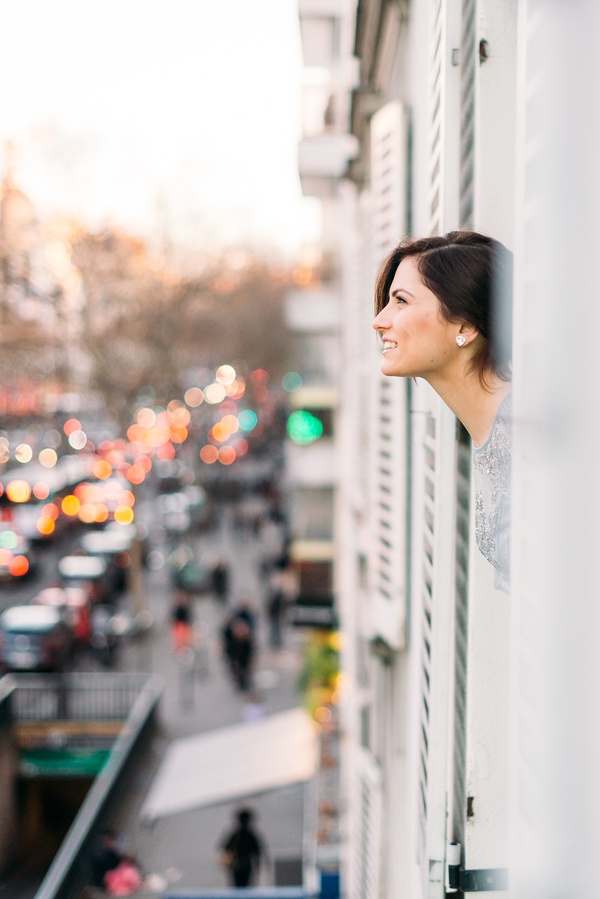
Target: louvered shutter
x=434 y=478
x=367 y=884
x=389 y=144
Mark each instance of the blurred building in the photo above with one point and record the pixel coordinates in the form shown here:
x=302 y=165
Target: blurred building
x=410 y=124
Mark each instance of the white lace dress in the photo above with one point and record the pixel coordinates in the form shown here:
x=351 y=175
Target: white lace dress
x=491 y=474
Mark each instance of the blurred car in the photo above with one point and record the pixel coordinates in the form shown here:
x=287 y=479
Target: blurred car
x=34 y=638
x=115 y=548
x=76 y=607
x=17 y=559
x=89 y=572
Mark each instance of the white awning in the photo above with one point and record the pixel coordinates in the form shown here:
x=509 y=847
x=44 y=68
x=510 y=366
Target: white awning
x=233 y=762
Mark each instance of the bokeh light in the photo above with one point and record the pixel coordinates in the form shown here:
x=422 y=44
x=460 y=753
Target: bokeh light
x=71 y=425
x=214 y=393
x=225 y=375
x=23 y=453
x=136 y=474
x=209 y=454
x=123 y=515
x=145 y=417
x=48 y=457
x=291 y=381
x=102 y=469
x=18 y=491
x=227 y=455
x=45 y=525
x=70 y=505
x=87 y=513
x=259 y=376
x=303 y=427
x=247 y=420
x=8 y=540
x=236 y=389
x=194 y=397
x=77 y=439
x=41 y=490
x=51 y=510
x=18 y=566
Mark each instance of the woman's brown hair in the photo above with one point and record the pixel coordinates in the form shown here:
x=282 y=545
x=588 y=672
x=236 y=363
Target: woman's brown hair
x=471 y=275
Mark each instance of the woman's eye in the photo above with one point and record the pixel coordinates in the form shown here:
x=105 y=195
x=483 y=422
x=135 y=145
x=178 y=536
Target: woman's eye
x=400 y=299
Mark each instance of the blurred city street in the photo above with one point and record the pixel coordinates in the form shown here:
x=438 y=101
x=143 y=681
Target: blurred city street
x=182 y=849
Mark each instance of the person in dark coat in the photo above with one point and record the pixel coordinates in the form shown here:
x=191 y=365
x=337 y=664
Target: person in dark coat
x=105 y=856
x=243 y=851
x=238 y=647
x=220 y=581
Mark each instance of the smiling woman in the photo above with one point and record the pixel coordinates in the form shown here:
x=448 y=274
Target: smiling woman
x=443 y=313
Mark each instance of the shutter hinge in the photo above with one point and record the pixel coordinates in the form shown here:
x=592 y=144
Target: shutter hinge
x=477 y=880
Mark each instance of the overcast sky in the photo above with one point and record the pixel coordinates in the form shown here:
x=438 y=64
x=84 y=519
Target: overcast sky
x=163 y=116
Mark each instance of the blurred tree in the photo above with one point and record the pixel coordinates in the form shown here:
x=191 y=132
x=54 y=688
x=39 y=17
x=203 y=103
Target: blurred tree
x=145 y=325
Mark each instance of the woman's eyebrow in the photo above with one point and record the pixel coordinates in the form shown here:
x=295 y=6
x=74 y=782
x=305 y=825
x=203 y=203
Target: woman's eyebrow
x=398 y=290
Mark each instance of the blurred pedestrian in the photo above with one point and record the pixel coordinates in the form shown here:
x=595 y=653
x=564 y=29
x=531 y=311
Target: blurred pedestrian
x=105 y=856
x=238 y=648
x=220 y=580
x=181 y=621
x=242 y=851
x=276 y=611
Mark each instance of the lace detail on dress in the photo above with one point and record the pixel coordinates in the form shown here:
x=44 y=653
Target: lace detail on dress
x=492 y=468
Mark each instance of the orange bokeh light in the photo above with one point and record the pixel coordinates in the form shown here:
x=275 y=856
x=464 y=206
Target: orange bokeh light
x=70 y=505
x=179 y=433
x=123 y=515
x=231 y=423
x=167 y=451
x=102 y=469
x=209 y=454
x=101 y=513
x=87 y=513
x=45 y=525
x=136 y=474
x=227 y=455
x=18 y=491
x=18 y=566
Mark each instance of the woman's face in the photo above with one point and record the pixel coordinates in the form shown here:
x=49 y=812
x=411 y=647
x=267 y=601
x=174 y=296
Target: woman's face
x=417 y=340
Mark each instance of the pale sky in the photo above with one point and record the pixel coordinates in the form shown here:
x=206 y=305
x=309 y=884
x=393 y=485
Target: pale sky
x=158 y=115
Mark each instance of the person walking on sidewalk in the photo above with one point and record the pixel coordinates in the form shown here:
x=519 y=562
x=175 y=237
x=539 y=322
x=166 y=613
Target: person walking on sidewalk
x=220 y=581
x=238 y=648
x=181 y=621
x=242 y=852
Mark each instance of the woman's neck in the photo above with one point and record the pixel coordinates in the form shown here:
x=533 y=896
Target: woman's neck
x=474 y=404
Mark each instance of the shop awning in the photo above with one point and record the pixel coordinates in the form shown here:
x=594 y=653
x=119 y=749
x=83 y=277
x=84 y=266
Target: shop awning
x=234 y=762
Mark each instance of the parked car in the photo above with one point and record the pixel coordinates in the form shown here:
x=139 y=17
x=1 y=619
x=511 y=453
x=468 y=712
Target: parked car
x=34 y=638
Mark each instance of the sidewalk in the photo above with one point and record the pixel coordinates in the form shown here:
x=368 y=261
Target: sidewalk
x=181 y=850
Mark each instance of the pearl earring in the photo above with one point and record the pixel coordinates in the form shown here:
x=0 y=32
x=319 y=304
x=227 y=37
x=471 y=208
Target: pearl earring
x=461 y=339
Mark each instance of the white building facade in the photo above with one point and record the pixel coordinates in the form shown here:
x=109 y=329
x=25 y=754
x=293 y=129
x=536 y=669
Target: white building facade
x=437 y=107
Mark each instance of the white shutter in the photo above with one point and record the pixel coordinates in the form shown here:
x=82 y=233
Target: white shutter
x=434 y=515
x=368 y=878
x=389 y=146
x=434 y=477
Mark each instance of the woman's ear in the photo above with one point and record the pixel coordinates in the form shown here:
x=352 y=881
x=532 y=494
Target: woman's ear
x=466 y=334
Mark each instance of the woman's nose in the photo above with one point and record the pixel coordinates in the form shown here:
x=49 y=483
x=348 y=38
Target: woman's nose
x=378 y=322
